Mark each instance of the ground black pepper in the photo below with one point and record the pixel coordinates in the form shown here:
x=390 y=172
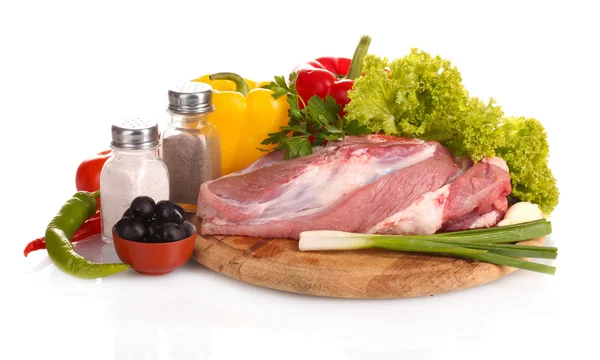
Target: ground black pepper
x=191 y=160
x=191 y=145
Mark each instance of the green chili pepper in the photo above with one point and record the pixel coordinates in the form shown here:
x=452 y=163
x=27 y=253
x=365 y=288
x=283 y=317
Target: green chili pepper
x=60 y=231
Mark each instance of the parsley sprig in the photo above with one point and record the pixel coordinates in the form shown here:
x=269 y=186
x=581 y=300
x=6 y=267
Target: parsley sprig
x=317 y=122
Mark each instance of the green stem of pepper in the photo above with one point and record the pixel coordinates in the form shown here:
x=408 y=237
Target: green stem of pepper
x=356 y=65
x=240 y=84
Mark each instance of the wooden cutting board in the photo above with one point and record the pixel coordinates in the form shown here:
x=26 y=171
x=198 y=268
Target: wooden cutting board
x=372 y=273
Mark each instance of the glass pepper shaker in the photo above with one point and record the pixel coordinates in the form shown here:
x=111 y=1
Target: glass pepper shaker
x=190 y=145
x=134 y=169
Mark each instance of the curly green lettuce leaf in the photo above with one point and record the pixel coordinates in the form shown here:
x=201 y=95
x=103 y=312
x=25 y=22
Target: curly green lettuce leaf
x=374 y=96
x=423 y=97
x=414 y=96
x=476 y=134
x=525 y=149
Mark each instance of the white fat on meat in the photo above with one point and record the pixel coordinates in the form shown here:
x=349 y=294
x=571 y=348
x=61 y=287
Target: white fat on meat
x=424 y=216
x=499 y=162
x=321 y=185
x=486 y=220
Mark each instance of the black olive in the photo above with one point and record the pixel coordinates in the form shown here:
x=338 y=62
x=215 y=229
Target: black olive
x=143 y=207
x=189 y=229
x=131 y=228
x=152 y=231
x=169 y=212
x=170 y=232
x=127 y=213
x=152 y=238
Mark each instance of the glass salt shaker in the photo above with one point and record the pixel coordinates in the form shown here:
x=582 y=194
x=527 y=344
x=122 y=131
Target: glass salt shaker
x=134 y=169
x=190 y=145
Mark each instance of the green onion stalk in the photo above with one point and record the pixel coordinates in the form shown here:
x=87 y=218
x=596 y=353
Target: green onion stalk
x=497 y=245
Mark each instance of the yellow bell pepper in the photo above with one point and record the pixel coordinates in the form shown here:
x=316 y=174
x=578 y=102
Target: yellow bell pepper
x=244 y=115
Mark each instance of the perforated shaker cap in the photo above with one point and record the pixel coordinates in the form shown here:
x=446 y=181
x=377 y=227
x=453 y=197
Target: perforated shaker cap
x=191 y=98
x=135 y=134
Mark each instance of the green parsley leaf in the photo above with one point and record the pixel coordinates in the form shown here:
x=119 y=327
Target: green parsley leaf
x=332 y=137
x=301 y=129
x=296 y=146
x=328 y=108
x=317 y=122
x=274 y=138
x=294 y=111
x=353 y=127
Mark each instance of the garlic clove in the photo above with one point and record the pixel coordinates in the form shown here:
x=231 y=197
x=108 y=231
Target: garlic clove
x=522 y=212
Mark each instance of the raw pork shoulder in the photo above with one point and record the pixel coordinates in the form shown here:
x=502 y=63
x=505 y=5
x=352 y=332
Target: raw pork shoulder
x=370 y=184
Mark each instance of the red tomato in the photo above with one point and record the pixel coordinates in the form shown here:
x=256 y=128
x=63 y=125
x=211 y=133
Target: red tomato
x=87 y=177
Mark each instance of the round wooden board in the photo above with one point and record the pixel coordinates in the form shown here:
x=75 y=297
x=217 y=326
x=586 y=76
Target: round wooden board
x=373 y=273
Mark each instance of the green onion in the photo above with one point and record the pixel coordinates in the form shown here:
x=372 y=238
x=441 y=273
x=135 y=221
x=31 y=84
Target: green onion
x=505 y=234
x=516 y=263
x=495 y=245
x=541 y=252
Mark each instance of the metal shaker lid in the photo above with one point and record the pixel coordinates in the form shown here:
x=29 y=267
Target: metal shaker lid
x=191 y=98
x=135 y=134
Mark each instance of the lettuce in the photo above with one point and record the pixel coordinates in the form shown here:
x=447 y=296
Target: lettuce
x=422 y=96
x=417 y=95
x=524 y=147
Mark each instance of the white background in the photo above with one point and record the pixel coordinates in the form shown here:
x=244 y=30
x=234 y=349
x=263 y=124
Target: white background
x=69 y=69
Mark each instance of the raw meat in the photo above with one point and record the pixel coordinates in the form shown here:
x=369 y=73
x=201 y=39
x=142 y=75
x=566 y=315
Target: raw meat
x=375 y=183
x=472 y=200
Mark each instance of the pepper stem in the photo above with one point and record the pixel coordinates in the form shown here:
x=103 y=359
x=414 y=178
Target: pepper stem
x=240 y=84
x=356 y=65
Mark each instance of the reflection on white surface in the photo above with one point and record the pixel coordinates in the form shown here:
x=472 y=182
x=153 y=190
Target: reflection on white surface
x=195 y=313
x=44 y=263
x=142 y=342
x=92 y=248
x=145 y=326
x=96 y=250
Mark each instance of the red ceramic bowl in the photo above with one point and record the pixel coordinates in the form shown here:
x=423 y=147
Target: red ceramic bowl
x=154 y=258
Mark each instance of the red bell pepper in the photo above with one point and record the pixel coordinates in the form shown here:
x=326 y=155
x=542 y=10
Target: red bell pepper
x=87 y=177
x=331 y=76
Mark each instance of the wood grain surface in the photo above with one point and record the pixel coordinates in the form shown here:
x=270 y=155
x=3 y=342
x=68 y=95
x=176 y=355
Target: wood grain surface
x=371 y=273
